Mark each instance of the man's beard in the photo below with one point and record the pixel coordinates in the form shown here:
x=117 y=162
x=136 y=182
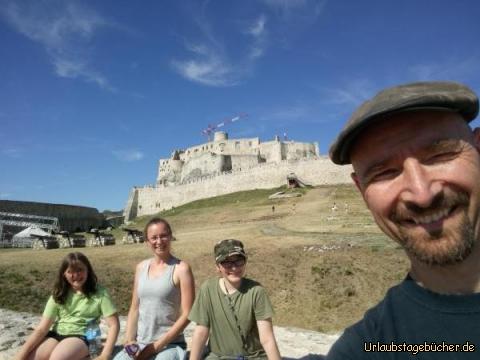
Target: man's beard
x=447 y=246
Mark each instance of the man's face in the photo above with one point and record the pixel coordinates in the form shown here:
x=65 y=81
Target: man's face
x=419 y=174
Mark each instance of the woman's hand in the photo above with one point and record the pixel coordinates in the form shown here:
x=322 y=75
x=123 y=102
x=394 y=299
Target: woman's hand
x=147 y=352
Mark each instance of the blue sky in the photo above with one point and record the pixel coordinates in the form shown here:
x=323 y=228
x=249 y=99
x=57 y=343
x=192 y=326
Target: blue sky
x=93 y=93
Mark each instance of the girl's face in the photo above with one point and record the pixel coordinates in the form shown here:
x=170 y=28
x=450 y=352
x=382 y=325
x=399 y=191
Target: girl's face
x=158 y=239
x=76 y=275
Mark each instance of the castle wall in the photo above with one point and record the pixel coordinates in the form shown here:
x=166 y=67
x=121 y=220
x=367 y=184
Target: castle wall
x=202 y=164
x=222 y=146
x=271 y=151
x=297 y=151
x=319 y=171
x=131 y=209
x=169 y=170
x=240 y=162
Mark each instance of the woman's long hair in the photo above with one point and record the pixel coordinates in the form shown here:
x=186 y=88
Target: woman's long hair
x=62 y=287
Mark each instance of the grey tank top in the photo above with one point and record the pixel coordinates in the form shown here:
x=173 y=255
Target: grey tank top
x=159 y=300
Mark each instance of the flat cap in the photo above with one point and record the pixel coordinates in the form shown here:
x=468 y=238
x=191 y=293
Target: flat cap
x=435 y=95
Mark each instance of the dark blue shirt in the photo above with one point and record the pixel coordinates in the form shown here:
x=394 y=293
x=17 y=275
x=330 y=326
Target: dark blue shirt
x=412 y=322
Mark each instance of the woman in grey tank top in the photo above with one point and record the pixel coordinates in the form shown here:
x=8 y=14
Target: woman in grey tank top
x=163 y=294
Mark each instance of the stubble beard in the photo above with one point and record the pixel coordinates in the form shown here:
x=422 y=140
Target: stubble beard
x=450 y=246
x=447 y=246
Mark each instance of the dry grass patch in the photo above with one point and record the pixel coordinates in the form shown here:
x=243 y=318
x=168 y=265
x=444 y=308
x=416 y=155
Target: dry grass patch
x=322 y=268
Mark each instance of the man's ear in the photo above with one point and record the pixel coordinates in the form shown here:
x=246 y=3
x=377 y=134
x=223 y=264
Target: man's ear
x=356 y=180
x=354 y=177
x=476 y=138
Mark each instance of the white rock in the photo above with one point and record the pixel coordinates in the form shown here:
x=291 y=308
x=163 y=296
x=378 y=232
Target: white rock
x=293 y=343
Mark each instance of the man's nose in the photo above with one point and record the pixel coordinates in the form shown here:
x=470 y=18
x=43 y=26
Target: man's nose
x=419 y=187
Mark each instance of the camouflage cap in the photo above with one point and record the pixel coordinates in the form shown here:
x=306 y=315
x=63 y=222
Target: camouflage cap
x=434 y=95
x=229 y=247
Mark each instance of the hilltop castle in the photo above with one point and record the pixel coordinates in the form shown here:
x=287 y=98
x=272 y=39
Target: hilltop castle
x=225 y=165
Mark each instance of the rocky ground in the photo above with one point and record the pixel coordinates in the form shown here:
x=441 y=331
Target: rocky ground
x=294 y=343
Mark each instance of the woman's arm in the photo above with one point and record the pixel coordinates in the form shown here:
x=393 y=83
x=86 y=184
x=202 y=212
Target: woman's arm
x=184 y=277
x=35 y=338
x=267 y=339
x=113 y=329
x=199 y=339
x=132 y=318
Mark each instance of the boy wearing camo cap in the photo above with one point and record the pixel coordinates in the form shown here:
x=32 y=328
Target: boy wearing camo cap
x=233 y=312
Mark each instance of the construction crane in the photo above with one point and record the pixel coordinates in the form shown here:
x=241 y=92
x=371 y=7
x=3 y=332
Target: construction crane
x=212 y=128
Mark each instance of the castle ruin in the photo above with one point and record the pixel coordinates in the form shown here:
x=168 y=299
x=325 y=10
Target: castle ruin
x=226 y=165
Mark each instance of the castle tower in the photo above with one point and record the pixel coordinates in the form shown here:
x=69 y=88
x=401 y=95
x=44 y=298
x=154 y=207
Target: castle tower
x=220 y=136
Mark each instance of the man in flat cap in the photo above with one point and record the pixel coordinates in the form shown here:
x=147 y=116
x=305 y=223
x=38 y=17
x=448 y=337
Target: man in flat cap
x=416 y=163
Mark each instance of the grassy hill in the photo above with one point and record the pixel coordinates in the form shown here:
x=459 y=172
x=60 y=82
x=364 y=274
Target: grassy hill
x=322 y=268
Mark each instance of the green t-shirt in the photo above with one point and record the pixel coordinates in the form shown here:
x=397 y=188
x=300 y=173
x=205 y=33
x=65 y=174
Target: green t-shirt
x=213 y=310
x=72 y=317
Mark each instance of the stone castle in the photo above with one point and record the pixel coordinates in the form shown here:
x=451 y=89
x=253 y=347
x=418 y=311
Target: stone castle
x=226 y=165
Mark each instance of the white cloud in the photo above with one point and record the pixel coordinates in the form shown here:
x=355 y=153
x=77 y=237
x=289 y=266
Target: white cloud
x=259 y=33
x=14 y=153
x=258 y=27
x=207 y=67
x=305 y=8
x=452 y=69
x=5 y=195
x=352 y=94
x=128 y=155
x=77 y=69
x=286 y=4
x=215 y=62
x=63 y=28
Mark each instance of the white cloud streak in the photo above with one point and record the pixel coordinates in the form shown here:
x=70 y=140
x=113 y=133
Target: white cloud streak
x=208 y=62
x=454 y=69
x=13 y=153
x=207 y=67
x=129 y=155
x=354 y=93
x=290 y=9
x=258 y=27
x=63 y=28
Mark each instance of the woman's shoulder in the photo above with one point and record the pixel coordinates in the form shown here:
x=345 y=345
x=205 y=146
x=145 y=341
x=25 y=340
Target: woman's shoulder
x=142 y=265
x=181 y=266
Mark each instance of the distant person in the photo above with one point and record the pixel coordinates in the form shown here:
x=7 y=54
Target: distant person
x=233 y=312
x=163 y=294
x=273 y=209
x=76 y=299
x=334 y=207
x=416 y=163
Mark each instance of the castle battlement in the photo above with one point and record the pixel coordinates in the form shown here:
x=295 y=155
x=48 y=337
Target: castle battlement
x=213 y=169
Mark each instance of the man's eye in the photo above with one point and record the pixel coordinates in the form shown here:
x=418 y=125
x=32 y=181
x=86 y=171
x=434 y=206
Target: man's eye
x=441 y=157
x=383 y=175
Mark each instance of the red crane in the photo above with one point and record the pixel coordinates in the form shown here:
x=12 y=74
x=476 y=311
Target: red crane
x=212 y=128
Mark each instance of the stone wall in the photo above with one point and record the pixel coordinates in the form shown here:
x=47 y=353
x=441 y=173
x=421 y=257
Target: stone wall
x=204 y=163
x=152 y=199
